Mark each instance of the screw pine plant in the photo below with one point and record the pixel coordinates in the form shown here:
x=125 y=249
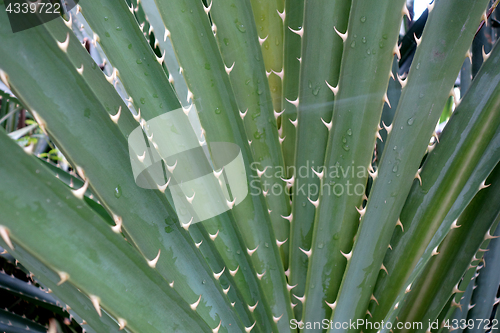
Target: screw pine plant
x=336 y=233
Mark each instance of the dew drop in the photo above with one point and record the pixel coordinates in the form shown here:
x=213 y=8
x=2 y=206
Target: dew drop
x=381 y=44
x=118 y=29
x=266 y=244
x=203 y=282
x=238 y=252
x=303 y=204
x=207 y=66
x=336 y=236
x=106 y=34
x=129 y=46
x=344 y=140
x=217 y=111
x=363 y=19
x=247 y=82
x=266 y=46
x=363 y=40
x=384 y=36
x=410 y=121
x=395 y=169
x=316 y=91
x=155 y=95
x=143 y=100
x=310 y=84
x=138 y=61
x=395 y=147
x=346 y=147
x=368 y=52
x=320 y=245
x=349 y=132
x=418 y=65
x=86 y=113
x=105 y=18
x=353 y=44
x=256 y=135
x=226 y=41
x=118 y=191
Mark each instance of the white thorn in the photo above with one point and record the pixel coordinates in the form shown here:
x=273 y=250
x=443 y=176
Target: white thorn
x=243 y=114
x=435 y=251
x=299 y=32
x=117 y=228
x=386 y=99
x=373 y=174
x=282 y=15
x=214 y=236
x=348 y=256
x=249 y=329
x=301 y=299
x=226 y=290
x=289 y=287
x=388 y=129
x=332 y=305
x=328 y=125
x=230 y=204
x=289 y=217
x=341 y=35
x=95 y=302
x=122 y=323
x=137 y=117
x=216 y=330
x=250 y=252
x=63 y=276
x=281 y=73
x=294 y=122
x=417 y=175
x=218 y=173
x=186 y=226
x=191 y=198
x=276 y=319
x=483 y=185
x=252 y=308
x=233 y=273
x=214 y=29
x=278 y=114
x=395 y=51
x=64 y=45
x=296 y=102
x=408 y=288
x=116 y=116
x=171 y=168
x=167 y=34
x=315 y=203
x=260 y=173
x=307 y=253
x=417 y=40
x=195 y=304
x=406 y=12
x=454 y=225
x=384 y=269
x=281 y=139
x=218 y=275
x=401 y=225
x=69 y=23
x=229 y=69
x=198 y=244
x=189 y=96
x=361 y=211
x=262 y=40
x=207 y=9
x=373 y=298
x=95 y=39
x=163 y=187
x=80 y=70
x=334 y=90
x=287 y=272
x=152 y=263
x=4 y=233
x=319 y=174
x=160 y=59
x=81 y=191
x=456 y=290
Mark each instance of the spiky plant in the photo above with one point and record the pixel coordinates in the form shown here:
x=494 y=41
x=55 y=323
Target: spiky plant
x=339 y=231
